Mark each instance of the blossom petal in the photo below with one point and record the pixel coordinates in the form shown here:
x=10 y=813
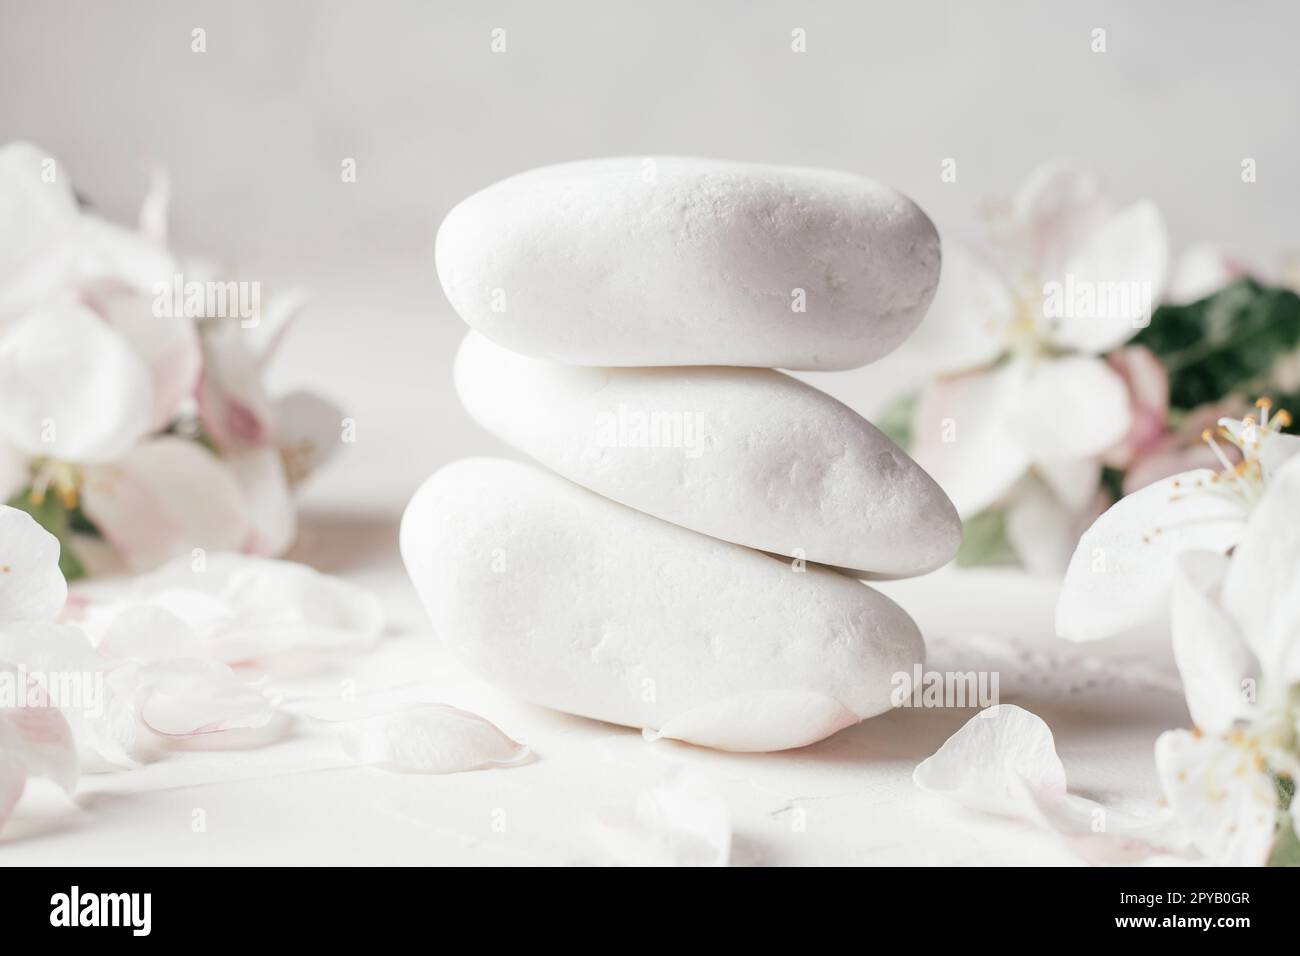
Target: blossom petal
x=167 y=345
x=1200 y=271
x=759 y=722
x=1070 y=408
x=1124 y=264
x=429 y=738
x=31 y=586
x=1212 y=659
x=272 y=511
x=962 y=439
x=149 y=633
x=245 y=608
x=682 y=821
x=166 y=497
x=1121 y=575
x=37 y=732
x=1040 y=529
x=71 y=387
x=234 y=406
x=999 y=757
x=1228 y=807
x=193 y=698
x=1262 y=588
x=968 y=322
x=1058 y=204
x=38 y=213
x=308 y=430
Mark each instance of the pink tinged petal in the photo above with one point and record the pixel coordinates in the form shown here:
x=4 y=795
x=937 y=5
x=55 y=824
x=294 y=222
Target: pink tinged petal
x=272 y=510
x=1124 y=262
x=1200 y=271
x=166 y=497
x=38 y=216
x=1212 y=659
x=429 y=738
x=193 y=698
x=1262 y=588
x=963 y=439
x=168 y=346
x=968 y=322
x=37 y=733
x=1121 y=575
x=31 y=586
x=759 y=722
x=1001 y=761
x=308 y=431
x=1148 y=388
x=234 y=406
x=1040 y=529
x=1227 y=806
x=682 y=821
x=71 y=387
x=1058 y=204
x=1069 y=408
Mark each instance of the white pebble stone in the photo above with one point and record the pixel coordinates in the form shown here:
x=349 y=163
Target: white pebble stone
x=575 y=602
x=676 y=261
x=748 y=455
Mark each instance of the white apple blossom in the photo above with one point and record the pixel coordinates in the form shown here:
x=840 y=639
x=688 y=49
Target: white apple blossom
x=102 y=398
x=1023 y=389
x=1120 y=577
x=1236 y=633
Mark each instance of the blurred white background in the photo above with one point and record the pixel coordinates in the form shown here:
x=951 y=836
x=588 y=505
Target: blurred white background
x=255 y=129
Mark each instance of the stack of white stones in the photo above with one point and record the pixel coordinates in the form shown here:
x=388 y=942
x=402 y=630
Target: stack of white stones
x=689 y=562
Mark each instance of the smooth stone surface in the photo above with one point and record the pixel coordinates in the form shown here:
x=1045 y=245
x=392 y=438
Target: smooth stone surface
x=743 y=454
x=590 y=263
x=575 y=602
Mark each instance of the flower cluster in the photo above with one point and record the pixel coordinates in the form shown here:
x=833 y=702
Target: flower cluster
x=124 y=416
x=1059 y=382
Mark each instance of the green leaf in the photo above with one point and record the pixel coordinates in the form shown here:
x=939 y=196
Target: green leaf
x=1227 y=342
x=895 y=419
x=984 y=541
x=51 y=515
x=1286 y=848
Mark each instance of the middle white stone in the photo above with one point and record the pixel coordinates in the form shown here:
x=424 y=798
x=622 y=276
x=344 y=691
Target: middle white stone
x=747 y=455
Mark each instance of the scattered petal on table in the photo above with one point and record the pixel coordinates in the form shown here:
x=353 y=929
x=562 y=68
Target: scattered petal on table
x=683 y=821
x=1001 y=757
x=429 y=738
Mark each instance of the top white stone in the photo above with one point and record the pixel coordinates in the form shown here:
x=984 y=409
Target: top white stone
x=674 y=261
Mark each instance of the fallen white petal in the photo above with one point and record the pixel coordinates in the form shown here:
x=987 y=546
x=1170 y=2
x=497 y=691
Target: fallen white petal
x=428 y=738
x=1000 y=757
x=683 y=821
